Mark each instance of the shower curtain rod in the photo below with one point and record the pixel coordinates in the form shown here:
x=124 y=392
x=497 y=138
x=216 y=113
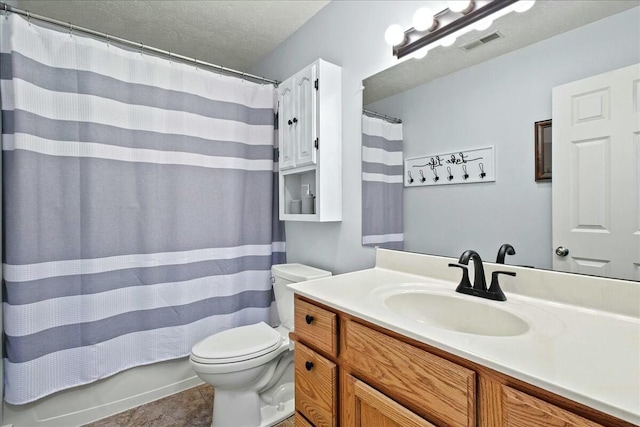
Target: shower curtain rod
x=381 y=116
x=139 y=46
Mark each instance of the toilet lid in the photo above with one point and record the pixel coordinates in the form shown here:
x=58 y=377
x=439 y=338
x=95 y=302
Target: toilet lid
x=237 y=344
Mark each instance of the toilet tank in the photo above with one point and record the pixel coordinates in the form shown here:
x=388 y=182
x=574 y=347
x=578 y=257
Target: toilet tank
x=284 y=274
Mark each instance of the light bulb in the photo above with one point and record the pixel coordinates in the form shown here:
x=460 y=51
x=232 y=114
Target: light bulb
x=448 y=41
x=483 y=24
x=394 y=35
x=459 y=5
x=423 y=19
x=523 y=5
x=421 y=53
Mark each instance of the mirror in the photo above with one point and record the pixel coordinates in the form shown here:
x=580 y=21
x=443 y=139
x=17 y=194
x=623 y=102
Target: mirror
x=491 y=95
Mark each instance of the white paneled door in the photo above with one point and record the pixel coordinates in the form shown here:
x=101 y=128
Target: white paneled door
x=596 y=181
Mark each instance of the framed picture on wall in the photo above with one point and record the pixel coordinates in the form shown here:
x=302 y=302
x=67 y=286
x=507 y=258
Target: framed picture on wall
x=543 y=150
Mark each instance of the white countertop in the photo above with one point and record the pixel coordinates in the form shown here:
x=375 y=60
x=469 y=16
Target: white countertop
x=584 y=354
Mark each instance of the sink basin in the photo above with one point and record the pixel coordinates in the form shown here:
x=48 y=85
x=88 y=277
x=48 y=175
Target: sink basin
x=456 y=314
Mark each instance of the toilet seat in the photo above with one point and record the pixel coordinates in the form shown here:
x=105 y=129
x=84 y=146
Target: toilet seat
x=237 y=345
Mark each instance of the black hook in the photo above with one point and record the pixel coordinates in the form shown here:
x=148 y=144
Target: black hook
x=465 y=176
x=410 y=177
x=423 y=179
x=436 y=177
x=450 y=177
x=482 y=174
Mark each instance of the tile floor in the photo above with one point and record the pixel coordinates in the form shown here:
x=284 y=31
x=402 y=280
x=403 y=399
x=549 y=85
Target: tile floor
x=189 y=408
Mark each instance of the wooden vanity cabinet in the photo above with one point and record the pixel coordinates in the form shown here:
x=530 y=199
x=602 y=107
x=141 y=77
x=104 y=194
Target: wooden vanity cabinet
x=350 y=373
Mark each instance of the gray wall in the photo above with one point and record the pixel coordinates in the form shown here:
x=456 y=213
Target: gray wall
x=350 y=34
x=496 y=103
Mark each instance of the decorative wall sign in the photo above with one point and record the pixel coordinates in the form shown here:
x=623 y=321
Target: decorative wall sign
x=456 y=167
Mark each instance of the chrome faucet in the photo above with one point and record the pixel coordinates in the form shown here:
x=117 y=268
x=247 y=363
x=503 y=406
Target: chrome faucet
x=479 y=288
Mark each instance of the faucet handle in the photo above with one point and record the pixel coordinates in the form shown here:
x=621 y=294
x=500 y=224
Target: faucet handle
x=464 y=282
x=494 y=288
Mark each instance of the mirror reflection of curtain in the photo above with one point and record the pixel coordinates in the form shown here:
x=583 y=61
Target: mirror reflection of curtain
x=382 y=186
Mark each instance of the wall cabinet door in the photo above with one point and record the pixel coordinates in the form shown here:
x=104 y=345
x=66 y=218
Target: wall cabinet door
x=286 y=128
x=306 y=116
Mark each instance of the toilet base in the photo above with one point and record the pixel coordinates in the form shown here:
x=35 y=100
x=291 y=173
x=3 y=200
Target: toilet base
x=269 y=414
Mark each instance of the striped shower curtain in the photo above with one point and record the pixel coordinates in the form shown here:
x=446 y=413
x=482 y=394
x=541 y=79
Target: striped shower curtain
x=382 y=187
x=138 y=197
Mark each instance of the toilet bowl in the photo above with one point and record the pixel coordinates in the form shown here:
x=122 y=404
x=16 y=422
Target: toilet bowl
x=251 y=367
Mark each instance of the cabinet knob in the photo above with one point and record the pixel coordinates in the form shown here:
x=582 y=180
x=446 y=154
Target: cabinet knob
x=308 y=365
x=308 y=318
x=295 y=120
x=290 y=122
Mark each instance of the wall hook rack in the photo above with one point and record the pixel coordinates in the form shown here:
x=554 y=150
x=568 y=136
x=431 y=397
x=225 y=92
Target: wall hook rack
x=455 y=166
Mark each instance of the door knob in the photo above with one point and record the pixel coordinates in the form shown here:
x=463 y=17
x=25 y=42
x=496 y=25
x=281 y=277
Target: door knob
x=562 y=251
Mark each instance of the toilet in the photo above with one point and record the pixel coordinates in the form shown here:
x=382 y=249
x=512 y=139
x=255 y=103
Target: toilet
x=251 y=367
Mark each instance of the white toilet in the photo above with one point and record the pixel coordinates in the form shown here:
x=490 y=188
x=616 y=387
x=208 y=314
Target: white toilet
x=251 y=367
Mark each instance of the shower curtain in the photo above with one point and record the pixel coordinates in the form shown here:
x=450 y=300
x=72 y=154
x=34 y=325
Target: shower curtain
x=138 y=207
x=382 y=187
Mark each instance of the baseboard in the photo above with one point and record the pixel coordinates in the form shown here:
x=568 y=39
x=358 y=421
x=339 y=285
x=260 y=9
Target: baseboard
x=86 y=404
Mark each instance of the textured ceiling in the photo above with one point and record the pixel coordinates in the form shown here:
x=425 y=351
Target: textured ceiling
x=546 y=19
x=235 y=34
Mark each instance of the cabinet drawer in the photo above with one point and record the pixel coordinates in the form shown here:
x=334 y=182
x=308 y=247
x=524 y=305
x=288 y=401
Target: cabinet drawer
x=316 y=326
x=434 y=388
x=316 y=387
x=522 y=410
x=300 y=421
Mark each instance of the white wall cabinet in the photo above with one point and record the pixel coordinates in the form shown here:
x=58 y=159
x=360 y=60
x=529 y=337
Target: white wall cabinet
x=310 y=141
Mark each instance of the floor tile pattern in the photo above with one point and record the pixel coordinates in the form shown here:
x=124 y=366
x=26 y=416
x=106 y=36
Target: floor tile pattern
x=190 y=408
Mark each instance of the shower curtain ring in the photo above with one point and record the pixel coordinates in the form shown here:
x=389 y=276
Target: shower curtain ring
x=141 y=48
x=6 y=12
x=243 y=74
x=108 y=45
x=29 y=18
x=70 y=29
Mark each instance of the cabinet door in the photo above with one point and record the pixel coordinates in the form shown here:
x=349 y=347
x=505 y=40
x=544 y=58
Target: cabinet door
x=521 y=410
x=306 y=116
x=315 y=387
x=372 y=408
x=286 y=127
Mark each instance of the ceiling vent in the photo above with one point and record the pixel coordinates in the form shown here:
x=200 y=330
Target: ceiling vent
x=482 y=41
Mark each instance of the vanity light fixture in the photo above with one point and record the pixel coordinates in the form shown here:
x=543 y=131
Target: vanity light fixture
x=443 y=28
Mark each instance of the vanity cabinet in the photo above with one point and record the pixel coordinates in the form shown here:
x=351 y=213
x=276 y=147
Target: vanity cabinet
x=351 y=373
x=310 y=141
